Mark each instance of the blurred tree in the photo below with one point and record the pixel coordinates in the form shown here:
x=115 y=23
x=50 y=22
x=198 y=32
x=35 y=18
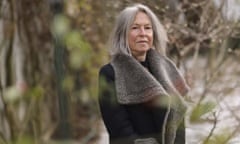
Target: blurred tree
x=27 y=83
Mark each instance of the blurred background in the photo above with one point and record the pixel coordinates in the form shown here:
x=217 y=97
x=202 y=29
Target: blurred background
x=51 y=52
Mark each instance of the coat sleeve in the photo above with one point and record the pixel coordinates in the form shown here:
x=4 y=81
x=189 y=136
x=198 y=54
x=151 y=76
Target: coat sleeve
x=114 y=115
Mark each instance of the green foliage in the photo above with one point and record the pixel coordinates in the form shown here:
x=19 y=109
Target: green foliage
x=25 y=140
x=68 y=83
x=80 y=79
x=12 y=94
x=80 y=57
x=80 y=52
x=60 y=25
x=200 y=110
x=222 y=137
x=36 y=92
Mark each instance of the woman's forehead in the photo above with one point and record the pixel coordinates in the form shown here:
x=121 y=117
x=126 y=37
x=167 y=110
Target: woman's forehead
x=141 y=18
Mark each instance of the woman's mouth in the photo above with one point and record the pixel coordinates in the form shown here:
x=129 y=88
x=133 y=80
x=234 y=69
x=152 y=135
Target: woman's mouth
x=141 y=41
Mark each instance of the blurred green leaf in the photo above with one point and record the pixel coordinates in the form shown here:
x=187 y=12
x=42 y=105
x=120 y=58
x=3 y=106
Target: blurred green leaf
x=61 y=25
x=220 y=138
x=68 y=83
x=37 y=91
x=76 y=60
x=12 y=94
x=80 y=51
x=73 y=40
x=200 y=110
x=25 y=140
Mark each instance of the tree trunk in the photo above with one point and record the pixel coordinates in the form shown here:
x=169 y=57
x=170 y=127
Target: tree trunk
x=27 y=68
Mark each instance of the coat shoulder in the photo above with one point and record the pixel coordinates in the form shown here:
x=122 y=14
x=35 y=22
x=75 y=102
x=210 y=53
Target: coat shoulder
x=107 y=72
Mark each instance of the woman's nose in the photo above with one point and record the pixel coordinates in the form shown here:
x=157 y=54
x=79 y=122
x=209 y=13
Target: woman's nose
x=142 y=31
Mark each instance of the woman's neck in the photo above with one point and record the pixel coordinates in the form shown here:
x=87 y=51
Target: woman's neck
x=140 y=57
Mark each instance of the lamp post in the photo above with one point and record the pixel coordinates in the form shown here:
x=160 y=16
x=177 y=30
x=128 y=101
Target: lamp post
x=63 y=128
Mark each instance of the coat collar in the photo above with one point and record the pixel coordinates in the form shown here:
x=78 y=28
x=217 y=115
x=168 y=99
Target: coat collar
x=135 y=84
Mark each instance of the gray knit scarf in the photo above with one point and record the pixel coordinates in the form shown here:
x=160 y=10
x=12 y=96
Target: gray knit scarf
x=164 y=85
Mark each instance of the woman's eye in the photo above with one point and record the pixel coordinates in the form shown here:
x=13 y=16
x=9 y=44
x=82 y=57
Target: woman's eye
x=134 y=27
x=148 y=27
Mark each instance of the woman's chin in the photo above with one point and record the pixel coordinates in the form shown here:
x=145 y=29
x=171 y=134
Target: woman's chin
x=143 y=49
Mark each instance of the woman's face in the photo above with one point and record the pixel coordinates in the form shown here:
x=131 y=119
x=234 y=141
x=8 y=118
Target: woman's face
x=140 y=36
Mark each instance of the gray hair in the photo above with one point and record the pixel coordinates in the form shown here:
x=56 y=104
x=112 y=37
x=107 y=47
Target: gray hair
x=118 y=42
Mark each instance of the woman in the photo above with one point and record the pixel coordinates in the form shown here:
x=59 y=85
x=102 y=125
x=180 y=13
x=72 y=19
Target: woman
x=141 y=91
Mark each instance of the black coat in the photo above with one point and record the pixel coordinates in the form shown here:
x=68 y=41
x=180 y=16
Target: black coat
x=125 y=123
